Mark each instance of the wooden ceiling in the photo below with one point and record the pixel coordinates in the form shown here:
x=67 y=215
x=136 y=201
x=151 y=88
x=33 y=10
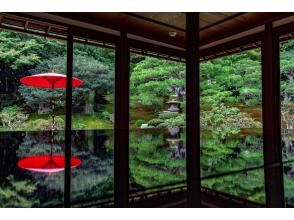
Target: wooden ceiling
x=156 y=25
x=177 y=19
x=214 y=26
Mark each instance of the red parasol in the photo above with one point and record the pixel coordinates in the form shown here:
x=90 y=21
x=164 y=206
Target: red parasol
x=46 y=163
x=49 y=80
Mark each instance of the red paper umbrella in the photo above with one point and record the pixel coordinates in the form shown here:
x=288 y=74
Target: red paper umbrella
x=49 y=80
x=46 y=163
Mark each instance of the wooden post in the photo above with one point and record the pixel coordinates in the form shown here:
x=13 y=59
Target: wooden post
x=68 y=119
x=193 y=111
x=272 y=151
x=121 y=142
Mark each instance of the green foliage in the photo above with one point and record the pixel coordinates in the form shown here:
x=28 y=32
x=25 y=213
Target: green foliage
x=150 y=163
x=155 y=122
x=287 y=69
x=179 y=121
x=45 y=124
x=18 y=52
x=224 y=120
x=97 y=78
x=168 y=115
x=246 y=185
x=106 y=116
x=151 y=78
x=89 y=122
x=232 y=79
x=289 y=190
x=17 y=193
x=233 y=153
x=102 y=55
x=162 y=125
x=12 y=117
x=225 y=82
x=139 y=122
x=168 y=119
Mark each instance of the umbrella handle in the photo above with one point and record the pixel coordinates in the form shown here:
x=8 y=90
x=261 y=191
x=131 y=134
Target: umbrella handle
x=53 y=121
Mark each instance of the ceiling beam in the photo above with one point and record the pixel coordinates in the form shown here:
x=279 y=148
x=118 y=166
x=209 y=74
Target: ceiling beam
x=129 y=24
x=155 y=21
x=249 y=24
x=222 y=20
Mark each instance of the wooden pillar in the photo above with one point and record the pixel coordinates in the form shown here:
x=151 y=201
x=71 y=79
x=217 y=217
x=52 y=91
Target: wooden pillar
x=121 y=142
x=193 y=111
x=272 y=151
x=68 y=119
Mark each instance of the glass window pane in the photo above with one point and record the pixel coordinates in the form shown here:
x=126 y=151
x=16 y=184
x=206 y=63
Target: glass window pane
x=32 y=121
x=287 y=94
x=287 y=114
x=245 y=184
x=231 y=120
x=93 y=124
x=157 y=123
x=289 y=183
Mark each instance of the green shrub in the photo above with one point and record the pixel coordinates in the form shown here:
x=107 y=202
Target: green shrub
x=162 y=125
x=168 y=115
x=139 y=122
x=12 y=117
x=105 y=115
x=45 y=124
x=18 y=193
x=155 y=122
x=179 y=121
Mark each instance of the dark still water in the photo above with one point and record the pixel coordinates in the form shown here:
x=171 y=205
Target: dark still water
x=91 y=180
x=157 y=157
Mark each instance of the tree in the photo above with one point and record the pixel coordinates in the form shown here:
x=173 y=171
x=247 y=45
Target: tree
x=232 y=79
x=17 y=52
x=12 y=117
x=151 y=79
x=18 y=193
x=20 y=52
x=97 y=78
x=287 y=95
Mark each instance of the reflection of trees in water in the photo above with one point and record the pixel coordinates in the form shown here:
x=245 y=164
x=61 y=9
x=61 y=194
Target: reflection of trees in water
x=14 y=191
x=234 y=153
x=17 y=193
x=289 y=183
x=151 y=165
x=249 y=185
x=9 y=142
x=92 y=180
x=150 y=162
x=37 y=143
x=287 y=140
x=287 y=112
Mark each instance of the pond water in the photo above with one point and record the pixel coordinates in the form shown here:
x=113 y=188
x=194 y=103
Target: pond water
x=157 y=157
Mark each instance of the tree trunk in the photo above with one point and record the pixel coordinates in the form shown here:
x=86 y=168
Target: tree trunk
x=89 y=104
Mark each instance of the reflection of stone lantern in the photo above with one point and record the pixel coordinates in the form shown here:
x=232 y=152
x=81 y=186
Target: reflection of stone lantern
x=175 y=143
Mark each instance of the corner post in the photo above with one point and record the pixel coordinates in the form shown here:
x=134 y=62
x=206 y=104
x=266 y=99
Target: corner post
x=121 y=142
x=272 y=151
x=68 y=119
x=193 y=110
